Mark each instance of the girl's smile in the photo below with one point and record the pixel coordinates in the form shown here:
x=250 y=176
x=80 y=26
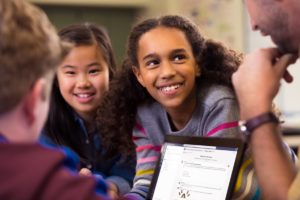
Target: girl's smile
x=85 y=97
x=170 y=89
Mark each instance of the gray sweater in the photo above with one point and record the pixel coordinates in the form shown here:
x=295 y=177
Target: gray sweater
x=216 y=114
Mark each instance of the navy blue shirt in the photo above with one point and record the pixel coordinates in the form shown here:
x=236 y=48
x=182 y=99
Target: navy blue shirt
x=115 y=169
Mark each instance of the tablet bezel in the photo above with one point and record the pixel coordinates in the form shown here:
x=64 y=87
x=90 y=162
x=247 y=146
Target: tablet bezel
x=209 y=141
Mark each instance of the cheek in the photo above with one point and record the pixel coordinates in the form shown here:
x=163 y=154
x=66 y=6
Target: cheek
x=102 y=83
x=150 y=77
x=65 y=86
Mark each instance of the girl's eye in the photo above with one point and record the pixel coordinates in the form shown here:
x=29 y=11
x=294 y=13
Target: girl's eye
x=70 y=72
x=179 y=58
x=94 y=71
x=152 y=63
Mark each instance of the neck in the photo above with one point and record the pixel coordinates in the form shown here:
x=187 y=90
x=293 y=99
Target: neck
x=180 y=116
x=16 y=129
x=87 y=117
x=89 y=122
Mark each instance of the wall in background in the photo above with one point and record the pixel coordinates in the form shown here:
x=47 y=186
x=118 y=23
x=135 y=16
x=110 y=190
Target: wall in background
x=111 y=3
x=220 y=20
x=117 y=20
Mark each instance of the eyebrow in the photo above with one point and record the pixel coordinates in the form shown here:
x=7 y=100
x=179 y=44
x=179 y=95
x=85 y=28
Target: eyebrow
x=178 y=51
x=94 y=64
x=149 y=56
x=68 y=66
x=181 y=50
x=89 y=65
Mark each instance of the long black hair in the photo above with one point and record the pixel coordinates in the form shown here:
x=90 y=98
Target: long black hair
x=61 y=126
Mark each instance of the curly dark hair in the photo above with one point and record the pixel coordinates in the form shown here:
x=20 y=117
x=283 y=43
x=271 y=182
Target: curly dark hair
x=60 y=126
x=117 y=115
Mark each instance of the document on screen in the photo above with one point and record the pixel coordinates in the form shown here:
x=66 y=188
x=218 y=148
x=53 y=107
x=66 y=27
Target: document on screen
x=194 y=172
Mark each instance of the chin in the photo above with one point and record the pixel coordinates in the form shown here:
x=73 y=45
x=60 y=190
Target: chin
x=288 y=47
x=290 y=50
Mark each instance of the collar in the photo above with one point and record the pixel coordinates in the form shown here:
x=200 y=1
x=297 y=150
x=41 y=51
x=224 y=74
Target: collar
x=80 y=121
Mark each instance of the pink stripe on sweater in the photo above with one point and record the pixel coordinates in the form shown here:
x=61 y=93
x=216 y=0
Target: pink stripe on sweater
x=148 y=159
x=140 y=128
x=148 y=146
x=136 y=138
x=222 y=127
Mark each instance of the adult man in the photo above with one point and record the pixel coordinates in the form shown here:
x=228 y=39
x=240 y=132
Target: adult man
x=29 y=51
x=257 y=82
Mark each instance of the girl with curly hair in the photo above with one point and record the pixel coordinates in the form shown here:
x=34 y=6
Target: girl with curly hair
x=80 y=83
x=173 y=81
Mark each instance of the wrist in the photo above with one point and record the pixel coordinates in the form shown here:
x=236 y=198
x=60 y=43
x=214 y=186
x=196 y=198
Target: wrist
x=251 y=111
x=249 y=125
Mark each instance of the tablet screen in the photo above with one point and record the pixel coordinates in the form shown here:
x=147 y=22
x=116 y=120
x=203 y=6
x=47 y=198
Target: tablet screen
x=193 y=172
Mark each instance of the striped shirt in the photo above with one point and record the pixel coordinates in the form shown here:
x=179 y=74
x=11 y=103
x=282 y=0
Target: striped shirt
x=216 y=115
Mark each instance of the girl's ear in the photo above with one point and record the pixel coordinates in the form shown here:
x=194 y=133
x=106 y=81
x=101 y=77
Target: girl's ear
x=138 y=75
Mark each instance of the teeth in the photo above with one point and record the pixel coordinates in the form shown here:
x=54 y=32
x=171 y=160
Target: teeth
x=170 y=88
x=83 y=95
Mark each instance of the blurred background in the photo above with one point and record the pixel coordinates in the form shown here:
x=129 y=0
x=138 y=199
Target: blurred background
x=223 y=20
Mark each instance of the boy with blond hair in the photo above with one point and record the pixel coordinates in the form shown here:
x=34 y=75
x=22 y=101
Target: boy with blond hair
x=30 y=50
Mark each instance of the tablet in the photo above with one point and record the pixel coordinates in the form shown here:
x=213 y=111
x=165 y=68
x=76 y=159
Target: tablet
x=194 y=168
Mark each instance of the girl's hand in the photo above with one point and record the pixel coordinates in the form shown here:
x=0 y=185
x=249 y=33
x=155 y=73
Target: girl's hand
x=112 y=191
x=85 y=172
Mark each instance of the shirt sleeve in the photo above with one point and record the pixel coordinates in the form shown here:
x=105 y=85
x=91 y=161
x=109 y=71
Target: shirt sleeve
x=122 y=173
x=84 y=184
x=63 y=185
x=147 y=156
x=222 y=119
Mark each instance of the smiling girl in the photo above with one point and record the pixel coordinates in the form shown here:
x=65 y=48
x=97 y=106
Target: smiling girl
x=80 y=83
x=173 y=81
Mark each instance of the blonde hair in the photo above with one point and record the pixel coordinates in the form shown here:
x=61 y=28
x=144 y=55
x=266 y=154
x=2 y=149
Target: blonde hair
x=29 y=49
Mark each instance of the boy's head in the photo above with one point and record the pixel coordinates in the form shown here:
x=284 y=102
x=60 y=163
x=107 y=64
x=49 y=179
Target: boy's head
x=29 y=50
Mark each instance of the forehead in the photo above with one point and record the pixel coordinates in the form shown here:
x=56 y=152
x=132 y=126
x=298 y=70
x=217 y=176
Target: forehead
x=83 y=56
x=85 y=51
x=163 y=38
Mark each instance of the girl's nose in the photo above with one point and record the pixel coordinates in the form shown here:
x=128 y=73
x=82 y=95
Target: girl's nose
x=83 y=82
x=167 y=70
